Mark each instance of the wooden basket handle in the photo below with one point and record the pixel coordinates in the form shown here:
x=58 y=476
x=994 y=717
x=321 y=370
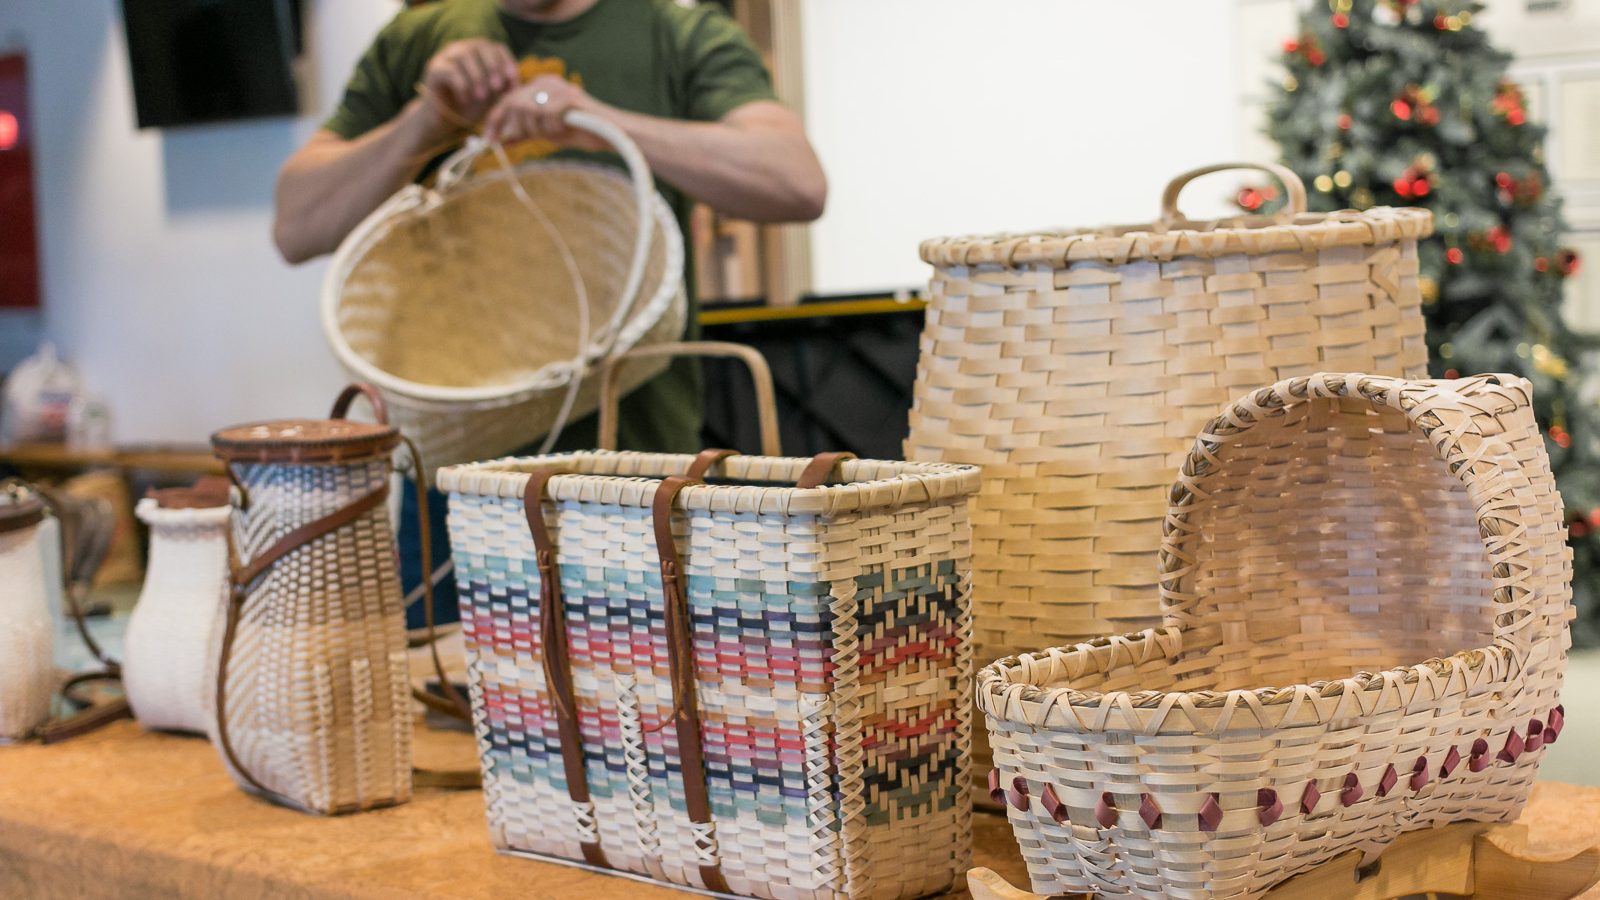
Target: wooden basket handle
x=1291 y=182
x=1444 y=413
x=760 y=373
x=341 y=406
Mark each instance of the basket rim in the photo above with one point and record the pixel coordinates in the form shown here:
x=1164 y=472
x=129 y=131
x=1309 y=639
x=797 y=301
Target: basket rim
x=1008 y=686
x=1119 y=244
x=555 y=374
x=150 y=511
x=914 y=482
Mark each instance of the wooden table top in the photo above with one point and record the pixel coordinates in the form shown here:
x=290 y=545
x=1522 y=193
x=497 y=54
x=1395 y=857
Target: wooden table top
x=127 y=813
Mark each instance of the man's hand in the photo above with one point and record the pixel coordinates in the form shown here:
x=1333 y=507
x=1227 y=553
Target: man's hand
x=538 y=109
x=468 y=76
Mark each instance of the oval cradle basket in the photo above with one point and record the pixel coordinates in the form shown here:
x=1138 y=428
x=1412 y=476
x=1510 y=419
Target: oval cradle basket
x=1366 y=593
x=458 y=303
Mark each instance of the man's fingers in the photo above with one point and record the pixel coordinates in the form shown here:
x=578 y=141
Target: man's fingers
x=476 y=74
x=501 y=62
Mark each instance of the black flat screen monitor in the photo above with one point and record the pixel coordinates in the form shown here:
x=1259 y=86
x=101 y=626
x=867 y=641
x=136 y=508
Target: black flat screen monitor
x=211 y=60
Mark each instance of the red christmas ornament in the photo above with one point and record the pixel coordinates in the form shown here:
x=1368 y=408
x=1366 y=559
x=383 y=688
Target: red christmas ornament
x=1402 y=186
x=1441 y=23
x=1453 y=256
x=1503 y=179
x=1567 y=260
x=1540 y=264
x=1451 y=374
x=1401 y=109
x=1560 y=436
x=1340 y=20
x=1291 y=46
x=1249 y=198
x=1345 y=122
x=1500 y=238
x=1315 y=57
x=1516 y=117
x=1429 y=115
x=1577 y=528
x=1420 y=187
x=1594 y=518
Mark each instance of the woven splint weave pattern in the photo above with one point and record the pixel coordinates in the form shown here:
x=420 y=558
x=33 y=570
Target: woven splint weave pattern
x=1367 y=592
x=318 y=693
x=832 y=647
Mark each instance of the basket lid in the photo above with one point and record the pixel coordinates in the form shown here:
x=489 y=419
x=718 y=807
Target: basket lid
x=19 y=508
x=1175 y=235
x=207 y=493
x=304 y=441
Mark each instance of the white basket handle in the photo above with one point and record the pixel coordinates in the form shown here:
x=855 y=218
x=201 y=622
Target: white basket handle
x=760 y=373
x=1295 y=188
x=458 y=166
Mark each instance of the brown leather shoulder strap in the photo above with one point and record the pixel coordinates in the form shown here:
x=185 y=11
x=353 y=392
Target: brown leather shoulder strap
x=680 y=651
x=246 y=575
x=704 y=460
x=817 y=472
x=553 y=639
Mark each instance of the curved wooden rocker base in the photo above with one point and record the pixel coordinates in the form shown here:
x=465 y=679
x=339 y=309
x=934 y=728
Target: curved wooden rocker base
x=1470 y=859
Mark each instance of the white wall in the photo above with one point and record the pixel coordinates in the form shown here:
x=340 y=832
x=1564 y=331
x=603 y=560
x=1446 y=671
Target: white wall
x=940 y=117
x=160 y=280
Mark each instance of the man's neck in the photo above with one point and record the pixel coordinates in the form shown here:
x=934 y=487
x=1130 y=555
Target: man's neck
x=545 y=12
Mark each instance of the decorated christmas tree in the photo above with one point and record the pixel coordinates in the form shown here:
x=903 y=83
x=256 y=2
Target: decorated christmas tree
x=1406 y=103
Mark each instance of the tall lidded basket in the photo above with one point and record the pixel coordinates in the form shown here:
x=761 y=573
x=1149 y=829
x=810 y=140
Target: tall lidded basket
x=27 y=671
x=167 y=653
x=1076 y=366
x=311 y=696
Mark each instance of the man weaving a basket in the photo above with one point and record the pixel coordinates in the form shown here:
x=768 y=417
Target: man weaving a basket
x=685 y=84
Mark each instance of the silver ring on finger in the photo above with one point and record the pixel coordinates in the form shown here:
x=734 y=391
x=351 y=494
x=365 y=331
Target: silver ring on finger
x=541 y=98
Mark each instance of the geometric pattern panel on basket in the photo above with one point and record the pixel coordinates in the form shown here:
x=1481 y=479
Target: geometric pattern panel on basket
x=783 y=667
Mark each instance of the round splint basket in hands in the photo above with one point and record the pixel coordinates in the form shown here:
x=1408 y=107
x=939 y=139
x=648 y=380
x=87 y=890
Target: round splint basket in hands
x=475 y=304
x=1366 y=593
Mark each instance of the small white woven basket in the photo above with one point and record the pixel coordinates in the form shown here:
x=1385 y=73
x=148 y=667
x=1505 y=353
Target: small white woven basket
x=27 y=671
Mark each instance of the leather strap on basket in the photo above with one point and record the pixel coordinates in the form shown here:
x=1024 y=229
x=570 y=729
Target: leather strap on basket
x=820 y=470
x=92 y=715
x=680 y=655
x=553 y=641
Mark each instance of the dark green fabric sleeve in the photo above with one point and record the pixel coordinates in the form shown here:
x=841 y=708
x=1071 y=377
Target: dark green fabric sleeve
x=725 y=71
x=374 y=94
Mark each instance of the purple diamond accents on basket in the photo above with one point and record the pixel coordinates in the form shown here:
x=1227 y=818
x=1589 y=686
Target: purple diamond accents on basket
x=1451 y=760
x=1018 y=795
x=1052 y=804
x=1553 y=724
x=1513 y=747
x=1210 y=813
x=1352 y=790
x=1535 y=736
x=1270 y=808
x=1388 y=781
x=1308 y=800
x=1105 y=811
x=1419 y=773
x=996 y=792
x=1149 y=811
x=1479 y=758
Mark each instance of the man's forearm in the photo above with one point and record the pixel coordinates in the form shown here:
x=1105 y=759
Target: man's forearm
x=748 y=170
x=330 y=185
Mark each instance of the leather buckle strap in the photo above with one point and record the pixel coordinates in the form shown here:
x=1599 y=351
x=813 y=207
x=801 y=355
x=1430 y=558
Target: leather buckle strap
x=553 y=643
x=680 y=655
x=704 y=460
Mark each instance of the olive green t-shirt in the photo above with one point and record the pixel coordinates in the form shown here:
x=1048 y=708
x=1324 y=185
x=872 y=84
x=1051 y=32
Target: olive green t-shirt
x=646 y=56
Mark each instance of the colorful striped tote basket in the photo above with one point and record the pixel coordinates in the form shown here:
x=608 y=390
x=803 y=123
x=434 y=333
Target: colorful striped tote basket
x=1367 y=590
x=719 y=671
